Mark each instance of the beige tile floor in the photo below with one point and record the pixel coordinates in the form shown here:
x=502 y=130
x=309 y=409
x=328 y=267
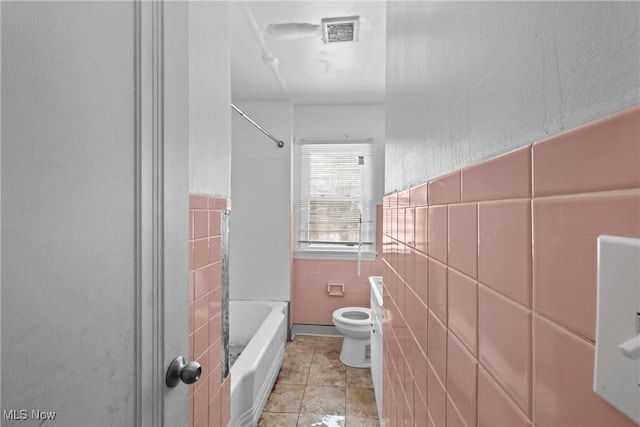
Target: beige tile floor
x=315 y=389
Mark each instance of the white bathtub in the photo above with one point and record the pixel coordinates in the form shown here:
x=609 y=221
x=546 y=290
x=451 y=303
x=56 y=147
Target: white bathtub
x=261 y=326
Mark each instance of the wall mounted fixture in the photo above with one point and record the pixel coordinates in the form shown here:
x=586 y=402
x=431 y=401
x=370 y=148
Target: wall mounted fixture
x=335 y=289
x=332 y=30
x=253 y=122
x=616 y=376
x=340 y=29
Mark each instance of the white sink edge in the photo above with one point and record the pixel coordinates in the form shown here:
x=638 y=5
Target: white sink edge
x=376 y=288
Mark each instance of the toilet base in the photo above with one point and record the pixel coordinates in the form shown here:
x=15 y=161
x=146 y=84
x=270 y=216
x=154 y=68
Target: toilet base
x=354 y=352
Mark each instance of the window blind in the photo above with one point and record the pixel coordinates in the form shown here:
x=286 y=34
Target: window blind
x=336 y=210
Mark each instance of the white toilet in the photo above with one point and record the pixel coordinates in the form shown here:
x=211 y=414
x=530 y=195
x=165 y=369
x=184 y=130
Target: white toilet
x=355 y=324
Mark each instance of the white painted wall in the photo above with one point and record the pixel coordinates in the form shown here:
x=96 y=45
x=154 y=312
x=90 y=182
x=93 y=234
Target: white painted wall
x=468 y=80
x=209 y=99
x=260 y=223
x=338 y=120
x=175 y=199
x=0 y=205
x=68 y=211
x=71 y=203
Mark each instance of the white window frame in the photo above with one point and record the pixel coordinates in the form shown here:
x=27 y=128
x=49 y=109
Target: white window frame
x=302 y=247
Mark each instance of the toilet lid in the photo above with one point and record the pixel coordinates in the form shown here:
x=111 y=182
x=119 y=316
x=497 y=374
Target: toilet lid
x=354 y=315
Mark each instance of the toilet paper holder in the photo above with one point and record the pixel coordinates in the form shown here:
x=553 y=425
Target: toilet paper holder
x=335 y=289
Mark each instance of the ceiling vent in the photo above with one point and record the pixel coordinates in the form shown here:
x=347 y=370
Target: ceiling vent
x=340 y=29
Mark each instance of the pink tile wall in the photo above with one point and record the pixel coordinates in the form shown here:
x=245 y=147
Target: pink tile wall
x=312 y=305
x=490 y=282
x=209 y=398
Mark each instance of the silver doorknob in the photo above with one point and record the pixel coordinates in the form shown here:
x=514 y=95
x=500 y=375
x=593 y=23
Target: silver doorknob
x=180 y=370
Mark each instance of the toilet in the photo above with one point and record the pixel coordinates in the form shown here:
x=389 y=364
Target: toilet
x=355 y=324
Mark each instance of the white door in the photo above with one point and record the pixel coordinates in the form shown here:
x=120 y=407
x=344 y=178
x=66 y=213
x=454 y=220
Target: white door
x=94 y=206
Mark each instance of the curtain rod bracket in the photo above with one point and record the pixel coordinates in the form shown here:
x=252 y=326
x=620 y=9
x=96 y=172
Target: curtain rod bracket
x=278 y=142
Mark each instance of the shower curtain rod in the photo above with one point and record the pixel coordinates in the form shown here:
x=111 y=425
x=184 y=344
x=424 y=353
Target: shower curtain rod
x=278 y=142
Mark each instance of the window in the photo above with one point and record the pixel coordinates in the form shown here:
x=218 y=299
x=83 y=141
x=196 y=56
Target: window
x=335 y=207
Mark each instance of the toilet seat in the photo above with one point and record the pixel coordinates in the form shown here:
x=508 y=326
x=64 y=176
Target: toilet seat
x=354 y=324
x=362 y=316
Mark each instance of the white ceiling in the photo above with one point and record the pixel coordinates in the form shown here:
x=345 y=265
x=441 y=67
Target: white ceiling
x=313 y=72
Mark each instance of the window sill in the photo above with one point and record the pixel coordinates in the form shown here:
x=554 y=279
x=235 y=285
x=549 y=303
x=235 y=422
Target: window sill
x=334 y=255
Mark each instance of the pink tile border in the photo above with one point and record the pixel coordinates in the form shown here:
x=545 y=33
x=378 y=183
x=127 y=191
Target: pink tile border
x=535 y=271
x=208 y=399
x=438 y=290
x=403 y=200
x=565 y=232
x=602 y=155
x=421 y=229
x=436 y=399
x=421 y=414
x=563 y=386
x=410 y=226
x=463 y=238
x=437 y=233
x=445 y=189
x=454 y=418
x=437 y=347
x=418 y=195
x=197 y=201
x=462 y=300
x=494 y=406
x=504 y=341
x=421 y=277
x=200 y=224
x=462 y=374
x=505 y=177
x=219 y=204
x=420 y=376
x=504 y=248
